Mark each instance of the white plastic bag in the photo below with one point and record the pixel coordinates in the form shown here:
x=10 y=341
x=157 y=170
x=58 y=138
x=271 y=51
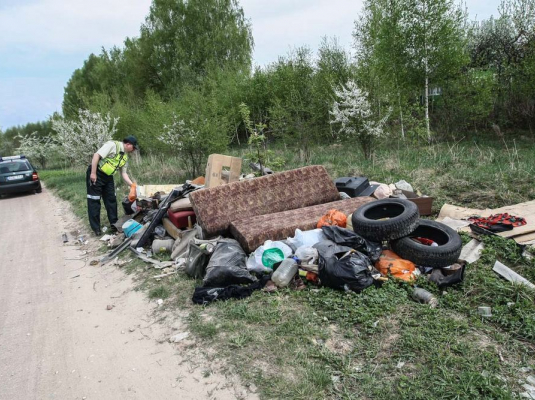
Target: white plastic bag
x=254 y=266
x=268 y=244
x=308 y=238
x=307 y=255
x=286 y=250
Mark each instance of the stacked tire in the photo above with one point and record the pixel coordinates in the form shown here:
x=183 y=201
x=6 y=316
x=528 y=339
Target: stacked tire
x=398 y=221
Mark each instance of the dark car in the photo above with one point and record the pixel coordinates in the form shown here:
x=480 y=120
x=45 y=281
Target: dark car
x=18 y=175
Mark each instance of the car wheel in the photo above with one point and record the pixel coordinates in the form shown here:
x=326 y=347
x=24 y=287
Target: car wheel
x=39 y=189
x=385 y=219
x=446 y=253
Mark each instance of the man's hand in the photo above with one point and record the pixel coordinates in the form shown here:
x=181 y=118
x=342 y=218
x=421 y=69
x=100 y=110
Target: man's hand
x=93 y=178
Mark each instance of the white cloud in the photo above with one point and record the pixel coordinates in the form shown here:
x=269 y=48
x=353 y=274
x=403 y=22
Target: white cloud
x=71 y=26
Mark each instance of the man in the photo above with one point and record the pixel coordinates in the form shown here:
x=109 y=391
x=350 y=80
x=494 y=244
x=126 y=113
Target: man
x=99 y=179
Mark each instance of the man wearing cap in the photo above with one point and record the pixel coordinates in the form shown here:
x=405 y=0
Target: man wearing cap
x=99 y=179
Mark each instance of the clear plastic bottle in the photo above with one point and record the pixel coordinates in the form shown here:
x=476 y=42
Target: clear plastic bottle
x=423 y=296
x=284 y=274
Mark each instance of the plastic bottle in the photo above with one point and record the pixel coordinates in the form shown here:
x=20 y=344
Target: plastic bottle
x=284 y=274
x=423 y=296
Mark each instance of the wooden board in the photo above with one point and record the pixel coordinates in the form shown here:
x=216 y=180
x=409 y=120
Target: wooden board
x=150 y=190
x=172 y=230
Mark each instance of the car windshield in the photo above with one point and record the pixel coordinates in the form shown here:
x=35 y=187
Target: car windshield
x=14 y=166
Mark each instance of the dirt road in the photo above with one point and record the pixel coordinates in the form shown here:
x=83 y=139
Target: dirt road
x=57 y=338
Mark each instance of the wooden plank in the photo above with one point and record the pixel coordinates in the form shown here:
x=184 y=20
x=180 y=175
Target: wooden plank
x=150 y=190
x=172 y=230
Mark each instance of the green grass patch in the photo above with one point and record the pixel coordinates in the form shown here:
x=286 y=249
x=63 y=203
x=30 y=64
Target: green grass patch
x=159 y=292
x=321 y=343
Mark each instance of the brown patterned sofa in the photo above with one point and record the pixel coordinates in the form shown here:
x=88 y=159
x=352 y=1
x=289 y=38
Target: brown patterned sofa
x=269 y=207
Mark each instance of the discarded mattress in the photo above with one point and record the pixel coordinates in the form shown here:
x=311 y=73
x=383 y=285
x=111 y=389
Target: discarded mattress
x=238 y=203
x=254 y=231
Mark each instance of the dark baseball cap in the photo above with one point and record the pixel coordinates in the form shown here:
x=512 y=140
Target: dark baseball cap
x=132 y=140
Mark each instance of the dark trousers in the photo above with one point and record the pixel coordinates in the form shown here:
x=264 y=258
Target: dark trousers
x=103 y=188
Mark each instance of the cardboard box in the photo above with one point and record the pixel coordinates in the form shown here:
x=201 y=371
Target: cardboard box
x=215 y=170
x=425 y=204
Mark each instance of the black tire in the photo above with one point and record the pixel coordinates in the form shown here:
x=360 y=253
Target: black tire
x=385 y=219
x=446 y=253
x=39 y=189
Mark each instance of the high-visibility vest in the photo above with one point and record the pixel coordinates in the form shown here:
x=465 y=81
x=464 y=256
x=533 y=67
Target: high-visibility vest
x=109 y=165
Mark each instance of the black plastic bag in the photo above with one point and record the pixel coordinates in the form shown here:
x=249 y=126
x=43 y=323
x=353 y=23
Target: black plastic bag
x=127 y=206
x=340 y=267
x=205 y=295
x=197 y=260
x=150 y=216
x=346 y=237
x=227 y=265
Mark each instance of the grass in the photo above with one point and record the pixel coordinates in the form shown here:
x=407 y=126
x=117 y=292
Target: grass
x=320 y=343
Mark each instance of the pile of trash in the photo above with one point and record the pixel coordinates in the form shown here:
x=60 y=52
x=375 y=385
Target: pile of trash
x=381 y=240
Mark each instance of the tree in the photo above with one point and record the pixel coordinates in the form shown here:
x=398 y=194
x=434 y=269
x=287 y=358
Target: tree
x=37 y=148
x=196 y=131
x=81 y=139
x=435 y=36
x=333 y=68
x=405 y=45
x=353 y=113
x=381 y=53
x=183 y=40
x=506 y=47
x=292 y=113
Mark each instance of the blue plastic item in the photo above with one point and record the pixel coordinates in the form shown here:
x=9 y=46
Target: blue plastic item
x=130 y=227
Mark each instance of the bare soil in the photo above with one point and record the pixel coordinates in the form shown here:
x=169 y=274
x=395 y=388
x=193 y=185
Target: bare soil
x=72 y=330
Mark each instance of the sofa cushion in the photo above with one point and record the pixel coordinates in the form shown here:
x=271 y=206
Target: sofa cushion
x=254 y=231
x=217 y=207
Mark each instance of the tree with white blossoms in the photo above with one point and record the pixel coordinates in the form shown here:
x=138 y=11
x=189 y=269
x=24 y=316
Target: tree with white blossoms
x=36 y=148
x=186 y=141
x=353 y=113
x=81 y=139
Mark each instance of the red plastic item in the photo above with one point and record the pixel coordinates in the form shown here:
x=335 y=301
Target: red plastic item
x=180 y=218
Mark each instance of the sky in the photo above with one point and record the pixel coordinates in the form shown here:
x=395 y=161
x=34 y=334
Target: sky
x=42 y=42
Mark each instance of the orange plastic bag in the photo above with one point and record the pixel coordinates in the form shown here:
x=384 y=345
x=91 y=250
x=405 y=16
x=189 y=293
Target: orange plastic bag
x=391 y=263
x=333 y=217
x=132 y=196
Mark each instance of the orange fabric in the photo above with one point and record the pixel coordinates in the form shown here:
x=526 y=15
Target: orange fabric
x=333 y=217
x=391 y=263
x=132 y=196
